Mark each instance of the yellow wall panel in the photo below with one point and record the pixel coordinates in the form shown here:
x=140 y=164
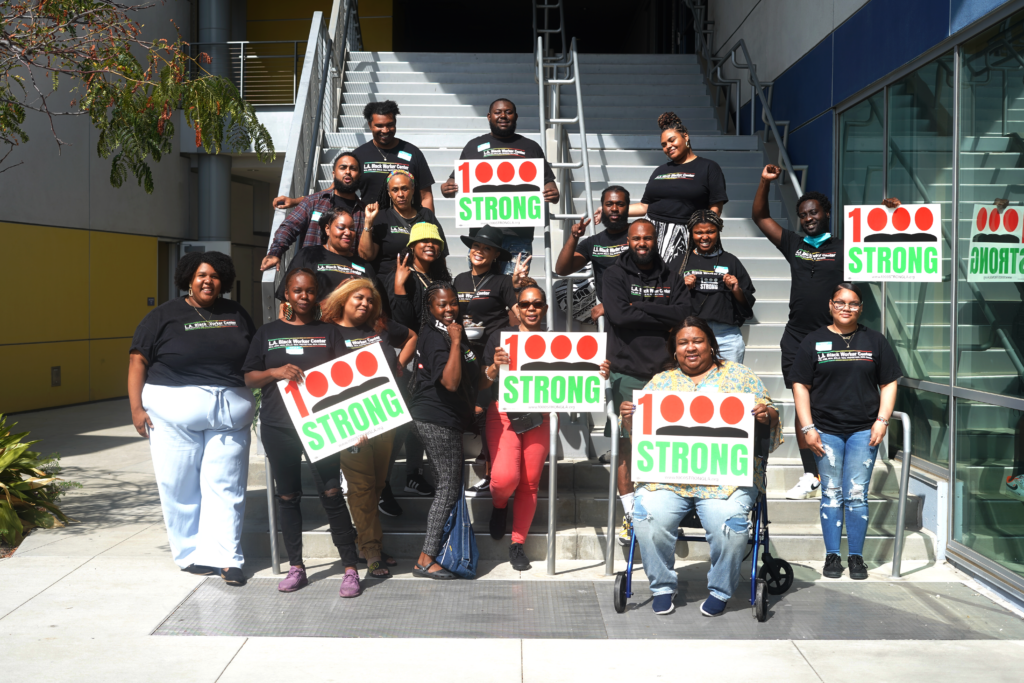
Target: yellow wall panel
x=59 y=282
x=122 y=277
x=261 y=10
x=26 y=381
x=376 y=34
x=108 y=368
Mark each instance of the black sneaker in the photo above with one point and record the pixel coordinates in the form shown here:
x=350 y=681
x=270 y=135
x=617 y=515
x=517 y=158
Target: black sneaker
x=481 y=489
x=387 y=504
x=233 y=576
x=200 y=570
x=418 y=485
x=858 y=570
x=517 y=557
x=498 y=518
x=833 y=567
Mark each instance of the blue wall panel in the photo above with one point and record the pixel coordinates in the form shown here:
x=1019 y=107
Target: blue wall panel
x=812 y=145
x=805 y=89
x=964 y=12
x=882 y=36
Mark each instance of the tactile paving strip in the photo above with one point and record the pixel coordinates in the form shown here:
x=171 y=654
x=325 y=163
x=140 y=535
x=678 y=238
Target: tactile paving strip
x=400 y=608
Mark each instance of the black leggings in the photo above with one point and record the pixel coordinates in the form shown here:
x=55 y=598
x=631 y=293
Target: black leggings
x=789 y=345
x=284 y=449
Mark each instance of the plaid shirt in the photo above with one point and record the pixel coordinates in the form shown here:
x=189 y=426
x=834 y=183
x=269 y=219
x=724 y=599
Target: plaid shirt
x=301 y=220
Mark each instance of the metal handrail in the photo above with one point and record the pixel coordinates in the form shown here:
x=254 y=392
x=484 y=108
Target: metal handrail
x=901 y=508
x=713 y=75
x=270 y=86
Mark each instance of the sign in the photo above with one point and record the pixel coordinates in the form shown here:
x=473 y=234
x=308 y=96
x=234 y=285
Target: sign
x=893 y=245
x=996 y=252
x=552 y=372
x=693 y=438
x=343 y=400
x=505 y=193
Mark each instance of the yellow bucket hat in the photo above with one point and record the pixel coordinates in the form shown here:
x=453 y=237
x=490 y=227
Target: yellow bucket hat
x=424 y=231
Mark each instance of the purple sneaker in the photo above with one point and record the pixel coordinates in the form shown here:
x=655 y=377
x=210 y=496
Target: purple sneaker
x=295 y=580
x=350 y=584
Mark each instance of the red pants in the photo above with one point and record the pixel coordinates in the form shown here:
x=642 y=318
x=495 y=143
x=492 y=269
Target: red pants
x=517 y=461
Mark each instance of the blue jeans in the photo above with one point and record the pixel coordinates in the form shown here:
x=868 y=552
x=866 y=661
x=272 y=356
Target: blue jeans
x=845 y=474
x=726 y=521
x=730 y=341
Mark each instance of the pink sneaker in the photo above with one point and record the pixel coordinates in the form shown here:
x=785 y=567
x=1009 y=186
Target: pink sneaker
x=295 y=580
x=350 y=584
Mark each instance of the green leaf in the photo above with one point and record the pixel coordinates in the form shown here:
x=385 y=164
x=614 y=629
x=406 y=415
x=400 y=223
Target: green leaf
x=11 y=529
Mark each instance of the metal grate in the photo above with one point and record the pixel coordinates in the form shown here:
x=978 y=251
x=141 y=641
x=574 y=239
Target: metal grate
x=404 y=608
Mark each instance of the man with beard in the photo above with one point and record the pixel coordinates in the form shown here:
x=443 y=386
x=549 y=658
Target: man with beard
x=503 y=143
x=815 y=268
x=643 y=298
x=386 y=153
x=301 y=224
x=600 y=249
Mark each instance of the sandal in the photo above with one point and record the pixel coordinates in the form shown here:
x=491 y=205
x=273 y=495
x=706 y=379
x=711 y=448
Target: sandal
x=387 y=559
x=379 y=564
x=441 y=574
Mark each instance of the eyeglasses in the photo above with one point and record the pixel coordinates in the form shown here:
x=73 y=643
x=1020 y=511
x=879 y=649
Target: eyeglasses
x=842 y=306
x=532 y=304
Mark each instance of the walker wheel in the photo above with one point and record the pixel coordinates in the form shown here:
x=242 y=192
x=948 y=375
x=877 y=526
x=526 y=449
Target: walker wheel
x=620 y=592
x=761 y=601
x=778 y=575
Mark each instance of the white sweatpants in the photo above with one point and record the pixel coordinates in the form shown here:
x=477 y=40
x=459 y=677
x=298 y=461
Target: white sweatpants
x=200 y=446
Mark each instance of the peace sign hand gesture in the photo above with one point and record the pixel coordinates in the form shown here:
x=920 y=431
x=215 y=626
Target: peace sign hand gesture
x=403 y=269
x=521 y=270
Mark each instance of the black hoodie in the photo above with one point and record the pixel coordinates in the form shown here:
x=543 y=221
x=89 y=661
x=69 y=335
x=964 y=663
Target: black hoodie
x=641 y=306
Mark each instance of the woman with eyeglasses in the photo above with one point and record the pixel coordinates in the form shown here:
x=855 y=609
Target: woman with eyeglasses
x=844 y=386
x=518 y=442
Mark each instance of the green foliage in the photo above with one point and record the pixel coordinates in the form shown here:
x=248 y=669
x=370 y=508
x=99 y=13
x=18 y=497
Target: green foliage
x=29 y=488
x=92 y=46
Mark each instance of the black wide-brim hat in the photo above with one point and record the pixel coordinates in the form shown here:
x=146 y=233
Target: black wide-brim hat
x=492 y=237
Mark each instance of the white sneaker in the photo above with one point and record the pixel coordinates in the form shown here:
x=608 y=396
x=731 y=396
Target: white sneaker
x=1015 y=486
x=808 y=487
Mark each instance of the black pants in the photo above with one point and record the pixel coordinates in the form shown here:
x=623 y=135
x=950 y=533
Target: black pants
x=284 y=449
x=789 y=345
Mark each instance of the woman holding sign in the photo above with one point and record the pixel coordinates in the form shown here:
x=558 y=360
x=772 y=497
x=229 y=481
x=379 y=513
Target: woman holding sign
x=445 y=384
x=283 y=350
x=720 y=290
x=518 y=441
x=188 y=397
x=844 y=387
x=355 y=307
x=696 y=366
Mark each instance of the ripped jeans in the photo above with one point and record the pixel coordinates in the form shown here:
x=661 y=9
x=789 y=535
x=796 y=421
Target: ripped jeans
x=726 y=521
x=845 y=474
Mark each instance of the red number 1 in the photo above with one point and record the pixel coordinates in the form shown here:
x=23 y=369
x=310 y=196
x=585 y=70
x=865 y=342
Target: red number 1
x=645 y=401
x=855 y=215
x=465 y=176
x=513 y=352
x=293 y=389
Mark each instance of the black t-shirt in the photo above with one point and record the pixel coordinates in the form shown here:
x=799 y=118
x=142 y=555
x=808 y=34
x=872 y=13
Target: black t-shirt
x=342 y=204
x=331 y=269
x=601 y=250
x=709 y=298
x=378 y=163
x=844 y=381
x=277 y=344
x=391 y=234
x=185 y=346
x=488 y=302
x=355 y=338
x=431 y=402
x=675 y=191
x=814 y=273
x=514 y=147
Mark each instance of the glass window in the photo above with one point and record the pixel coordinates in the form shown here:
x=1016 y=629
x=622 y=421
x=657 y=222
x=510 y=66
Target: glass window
x=990 y=281
x=929 y=425
x=920 y=162
x=987 y=517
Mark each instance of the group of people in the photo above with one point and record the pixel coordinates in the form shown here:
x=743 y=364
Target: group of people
x=372 y=268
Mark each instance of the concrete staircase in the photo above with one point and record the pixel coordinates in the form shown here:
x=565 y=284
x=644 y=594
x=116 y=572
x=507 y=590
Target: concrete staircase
x=443 y=99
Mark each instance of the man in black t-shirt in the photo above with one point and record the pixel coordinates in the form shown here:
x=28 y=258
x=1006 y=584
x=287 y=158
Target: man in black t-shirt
x=816 y=267
x=503 y=143
x=386 y=153
x=600 y=249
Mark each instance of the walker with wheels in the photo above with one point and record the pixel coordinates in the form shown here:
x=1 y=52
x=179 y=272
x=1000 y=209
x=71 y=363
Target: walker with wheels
x=774 y=578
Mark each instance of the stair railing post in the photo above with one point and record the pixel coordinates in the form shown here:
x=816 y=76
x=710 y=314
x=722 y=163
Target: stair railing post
x=609 y=558
x=901 y=509
x=272 y=518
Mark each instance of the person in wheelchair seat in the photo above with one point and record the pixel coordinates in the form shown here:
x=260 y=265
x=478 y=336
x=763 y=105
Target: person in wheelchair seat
x=658 y=509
